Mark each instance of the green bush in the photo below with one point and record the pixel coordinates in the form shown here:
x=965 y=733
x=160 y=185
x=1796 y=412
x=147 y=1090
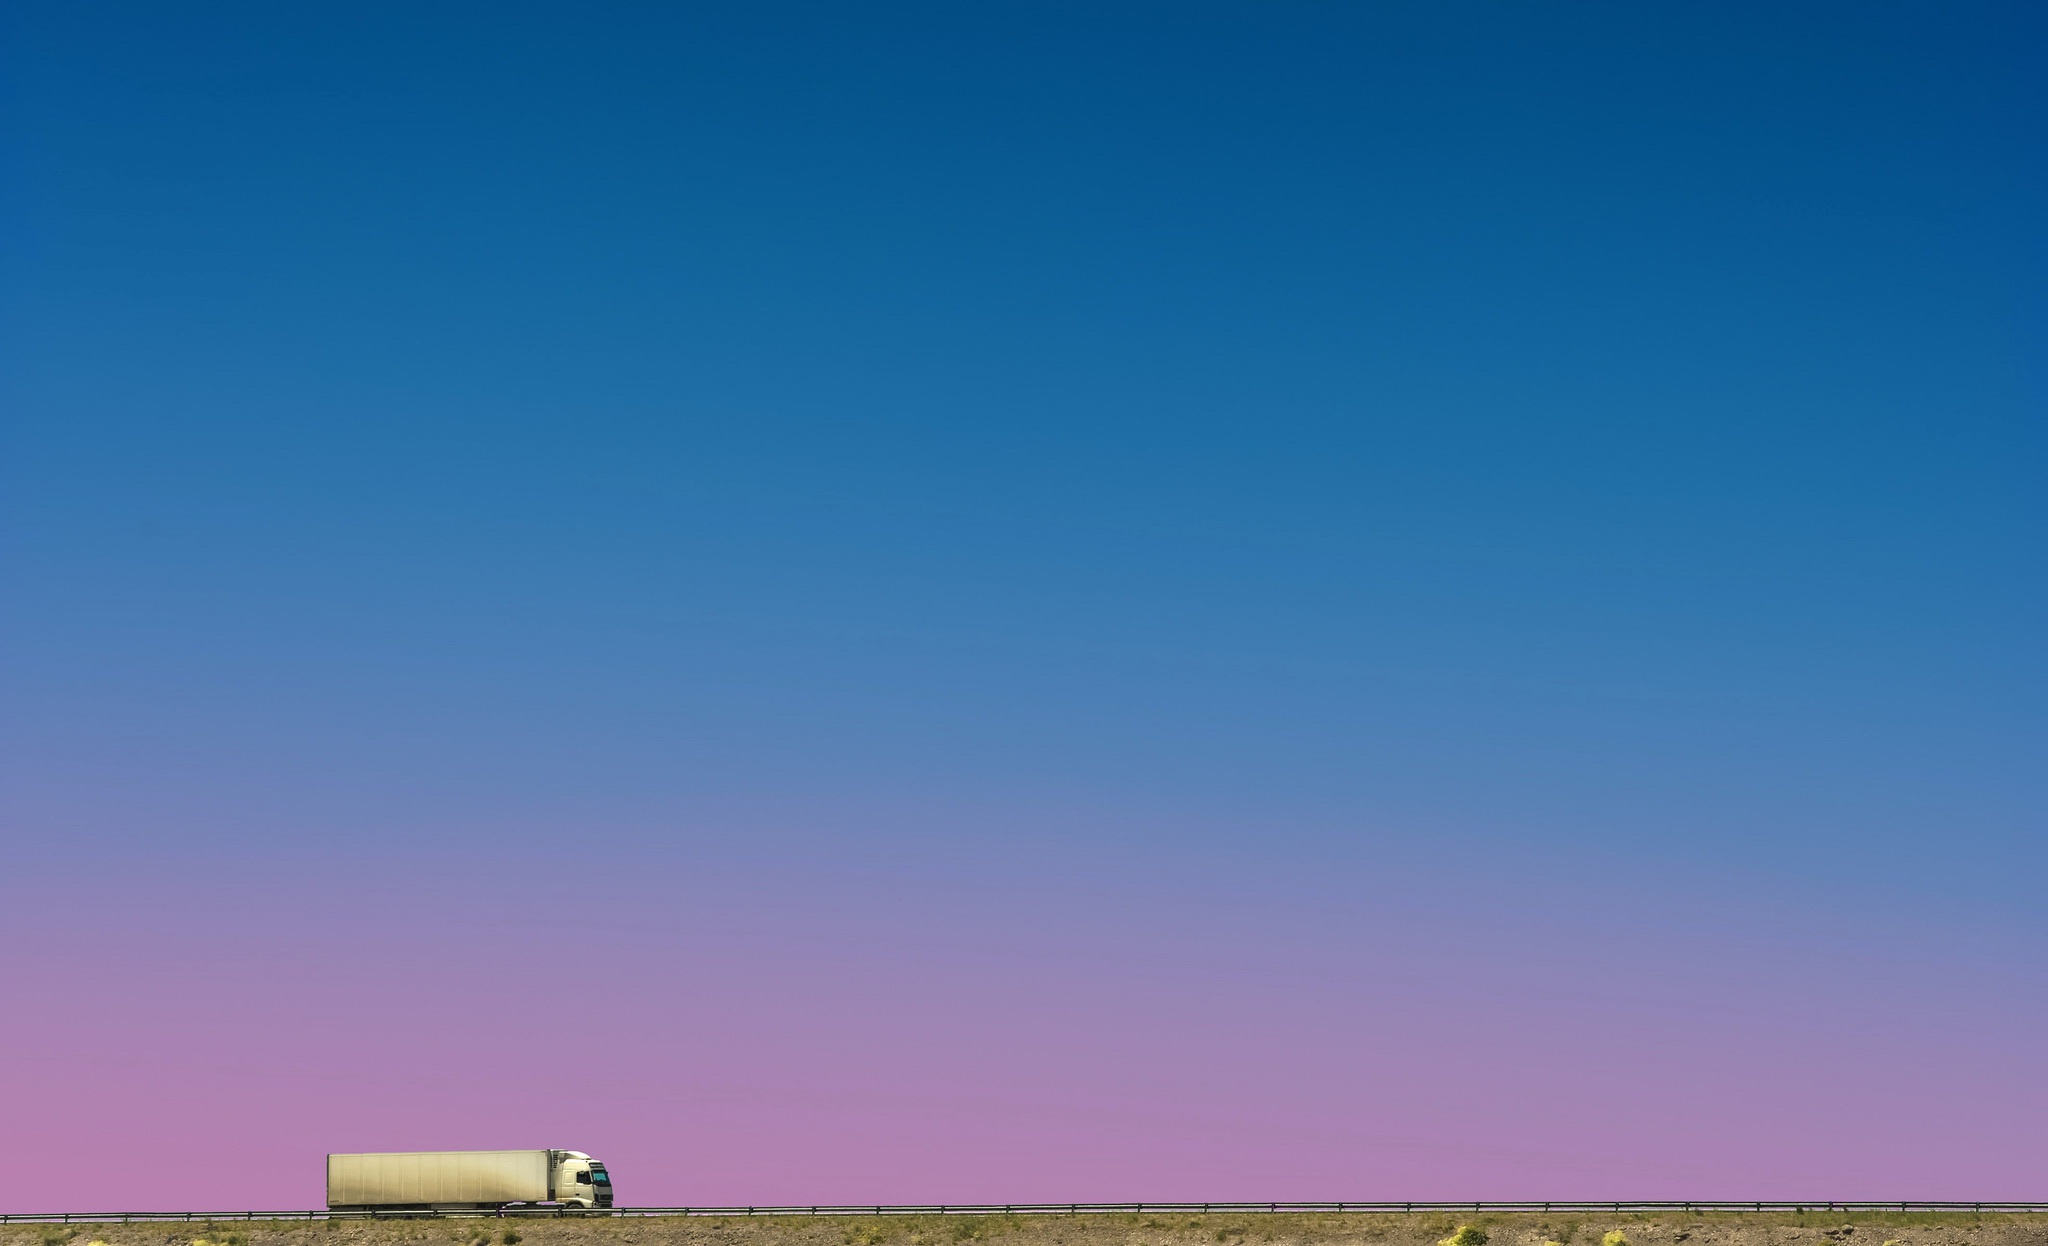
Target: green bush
x=1467 y=1235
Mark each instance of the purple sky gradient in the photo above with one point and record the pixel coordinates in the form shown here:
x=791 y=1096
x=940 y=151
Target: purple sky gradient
x=731 y=1030
x=1011 y=601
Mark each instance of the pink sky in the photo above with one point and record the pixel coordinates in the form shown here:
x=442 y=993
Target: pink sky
x=739 y=1033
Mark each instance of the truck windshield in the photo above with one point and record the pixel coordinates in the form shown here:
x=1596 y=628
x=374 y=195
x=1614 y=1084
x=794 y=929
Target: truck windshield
x=598 y=1176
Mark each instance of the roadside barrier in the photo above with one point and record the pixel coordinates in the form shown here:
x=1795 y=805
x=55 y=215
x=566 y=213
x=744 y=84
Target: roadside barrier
x=1021 y=1209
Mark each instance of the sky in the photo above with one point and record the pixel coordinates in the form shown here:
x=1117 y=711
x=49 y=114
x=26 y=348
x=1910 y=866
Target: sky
x=1013 y=602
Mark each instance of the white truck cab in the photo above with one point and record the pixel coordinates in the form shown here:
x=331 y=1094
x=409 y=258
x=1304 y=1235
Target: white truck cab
x=579 y=1181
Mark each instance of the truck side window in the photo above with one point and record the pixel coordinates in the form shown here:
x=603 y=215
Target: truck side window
x=582 y=1178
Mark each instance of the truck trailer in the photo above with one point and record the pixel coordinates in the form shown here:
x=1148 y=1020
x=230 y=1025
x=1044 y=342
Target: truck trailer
x=464 y=1180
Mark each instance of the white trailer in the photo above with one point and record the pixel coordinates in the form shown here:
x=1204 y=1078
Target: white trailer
x=437 y=1180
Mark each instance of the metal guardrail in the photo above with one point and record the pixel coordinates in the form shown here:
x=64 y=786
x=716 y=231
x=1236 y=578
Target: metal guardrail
x=1038 y=1209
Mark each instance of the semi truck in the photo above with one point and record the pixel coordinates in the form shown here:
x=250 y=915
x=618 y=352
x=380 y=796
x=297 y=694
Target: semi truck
x=465 y=1180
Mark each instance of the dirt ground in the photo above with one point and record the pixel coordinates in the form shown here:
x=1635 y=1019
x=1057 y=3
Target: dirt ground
x=1663 y=1229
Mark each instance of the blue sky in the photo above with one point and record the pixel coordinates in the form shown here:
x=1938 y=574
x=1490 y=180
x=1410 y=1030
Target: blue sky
x=1627 y=422
x=1596 y=448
